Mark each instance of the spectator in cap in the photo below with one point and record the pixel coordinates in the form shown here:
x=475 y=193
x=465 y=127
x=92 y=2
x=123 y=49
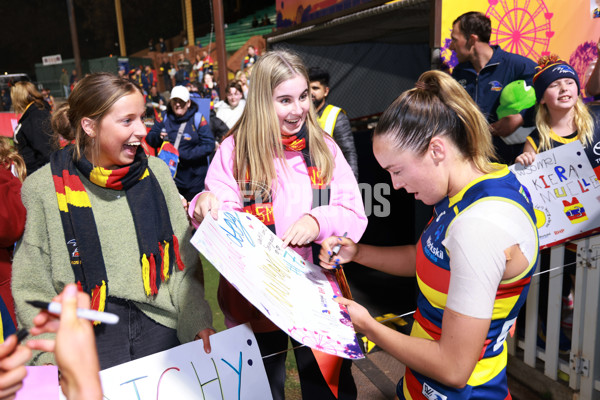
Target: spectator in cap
x=184 y=125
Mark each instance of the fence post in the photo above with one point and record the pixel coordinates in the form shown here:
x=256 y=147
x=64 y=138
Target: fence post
x=590 y=296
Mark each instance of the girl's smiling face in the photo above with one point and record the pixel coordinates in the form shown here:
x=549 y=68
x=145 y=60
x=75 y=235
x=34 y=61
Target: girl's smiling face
x=561 y=94
x=292 y=102
x=120 y=132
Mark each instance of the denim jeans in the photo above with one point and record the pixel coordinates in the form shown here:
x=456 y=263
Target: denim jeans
x=135 y=336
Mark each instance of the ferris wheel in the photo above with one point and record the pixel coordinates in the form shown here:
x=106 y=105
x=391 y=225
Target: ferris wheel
x=521 y=26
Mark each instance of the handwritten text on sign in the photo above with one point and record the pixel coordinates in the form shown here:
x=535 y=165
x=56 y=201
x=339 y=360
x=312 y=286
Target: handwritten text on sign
x=564 y=191
x=232 y=371
x=294 y=294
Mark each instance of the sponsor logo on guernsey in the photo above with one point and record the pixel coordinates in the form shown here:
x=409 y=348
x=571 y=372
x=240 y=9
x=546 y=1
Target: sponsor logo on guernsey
x=433 y=250
x=597 y=148
x=432 y=394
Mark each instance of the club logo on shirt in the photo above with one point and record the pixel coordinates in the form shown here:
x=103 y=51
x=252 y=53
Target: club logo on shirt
x=432 y=394
x=495 y=86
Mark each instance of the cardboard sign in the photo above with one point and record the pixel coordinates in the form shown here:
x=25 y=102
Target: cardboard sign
x=293 y=293
x=564 y=190
x=233 y=370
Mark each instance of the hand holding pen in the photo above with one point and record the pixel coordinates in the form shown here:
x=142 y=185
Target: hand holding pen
x=79 y=369
x=337 y=250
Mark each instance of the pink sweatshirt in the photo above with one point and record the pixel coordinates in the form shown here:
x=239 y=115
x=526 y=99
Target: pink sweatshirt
x=292 y=199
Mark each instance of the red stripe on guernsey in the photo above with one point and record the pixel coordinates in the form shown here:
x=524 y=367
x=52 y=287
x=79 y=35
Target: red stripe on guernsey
x=485 y=345
x=414 y=387
x=512 y=289
x=263 y=211
x=432 y=275
x=433 y=330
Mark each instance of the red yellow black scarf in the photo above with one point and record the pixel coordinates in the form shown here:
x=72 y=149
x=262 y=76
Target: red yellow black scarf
x=158 y=244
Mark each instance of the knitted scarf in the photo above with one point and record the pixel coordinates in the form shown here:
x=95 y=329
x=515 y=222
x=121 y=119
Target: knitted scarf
x=158 y=245
x=264 y=211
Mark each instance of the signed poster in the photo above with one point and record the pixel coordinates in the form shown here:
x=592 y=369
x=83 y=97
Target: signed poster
x=294 y=294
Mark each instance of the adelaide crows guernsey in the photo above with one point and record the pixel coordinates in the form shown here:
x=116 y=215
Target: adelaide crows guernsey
x=488 y=380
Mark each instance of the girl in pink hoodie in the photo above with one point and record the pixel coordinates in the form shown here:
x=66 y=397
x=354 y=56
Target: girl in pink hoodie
x=278 y=165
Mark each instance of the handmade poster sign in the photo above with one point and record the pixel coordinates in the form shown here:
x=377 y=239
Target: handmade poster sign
x=294 y=294
x=565 y=194
x=232 y=371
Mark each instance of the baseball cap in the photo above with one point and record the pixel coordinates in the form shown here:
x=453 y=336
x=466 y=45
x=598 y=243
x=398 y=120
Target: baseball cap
x=180 y=92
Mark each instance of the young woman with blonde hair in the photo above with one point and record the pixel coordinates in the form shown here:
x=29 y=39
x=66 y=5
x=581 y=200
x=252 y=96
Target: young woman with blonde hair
x=473 y=262
x=103 y=215
x=33 y=135
x=278 y=164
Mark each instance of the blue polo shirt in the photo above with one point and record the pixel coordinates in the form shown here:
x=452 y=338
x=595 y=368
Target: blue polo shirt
x=485 y=87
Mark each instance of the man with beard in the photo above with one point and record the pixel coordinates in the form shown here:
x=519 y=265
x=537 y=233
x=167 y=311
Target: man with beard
x=332 y=119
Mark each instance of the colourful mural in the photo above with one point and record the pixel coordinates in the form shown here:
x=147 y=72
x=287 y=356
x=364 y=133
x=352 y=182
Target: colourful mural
x=294 y=12
x=534 y=28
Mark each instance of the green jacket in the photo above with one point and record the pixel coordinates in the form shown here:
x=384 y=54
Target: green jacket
x=41 y=266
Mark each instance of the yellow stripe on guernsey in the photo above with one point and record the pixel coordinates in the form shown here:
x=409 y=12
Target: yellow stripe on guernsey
x=146 y=274
x=485 y=369
x=166 y=261
x=1 y=331
x=561 y=139
x=436 y=298
x=418 y=331
x=405 y=391
x=99 y=176
x=488 y=368
x=502 y=171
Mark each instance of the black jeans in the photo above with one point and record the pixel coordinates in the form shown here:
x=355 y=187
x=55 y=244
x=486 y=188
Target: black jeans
x=135 y=336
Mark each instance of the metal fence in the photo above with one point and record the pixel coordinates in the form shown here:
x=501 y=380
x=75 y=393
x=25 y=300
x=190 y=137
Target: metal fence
x=579 y=367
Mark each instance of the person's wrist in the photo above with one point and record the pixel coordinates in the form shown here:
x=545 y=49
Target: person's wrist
x=316 y=222
x=84 y=388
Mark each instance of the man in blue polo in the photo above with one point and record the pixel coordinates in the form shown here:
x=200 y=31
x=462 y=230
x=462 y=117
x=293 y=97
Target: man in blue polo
x=484 y=70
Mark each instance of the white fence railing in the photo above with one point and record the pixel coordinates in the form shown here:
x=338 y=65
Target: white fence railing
x=582 y=365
